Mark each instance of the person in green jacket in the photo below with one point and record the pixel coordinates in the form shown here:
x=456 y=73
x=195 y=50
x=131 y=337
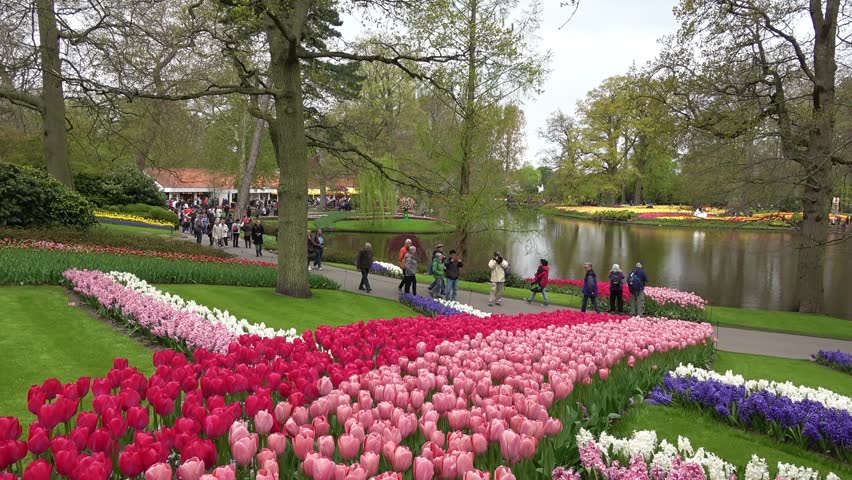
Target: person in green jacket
x=438 y=271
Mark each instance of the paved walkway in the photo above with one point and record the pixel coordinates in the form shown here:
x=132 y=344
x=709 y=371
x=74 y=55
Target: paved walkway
x=730 y=339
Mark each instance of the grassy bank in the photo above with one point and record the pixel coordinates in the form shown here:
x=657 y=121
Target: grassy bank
x=46 y=337
x=800 y=372
x=783 y=322
x=264 y=305
x=393 y=225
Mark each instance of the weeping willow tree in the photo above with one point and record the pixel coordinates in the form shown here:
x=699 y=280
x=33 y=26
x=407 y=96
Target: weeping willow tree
x=378 y=194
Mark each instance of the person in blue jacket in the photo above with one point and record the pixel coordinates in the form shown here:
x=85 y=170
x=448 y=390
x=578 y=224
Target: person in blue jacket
x=590 y=288
x=636 y=282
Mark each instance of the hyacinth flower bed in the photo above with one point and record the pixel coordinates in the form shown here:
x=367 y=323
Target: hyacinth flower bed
x=434 y=307
x=168 y=318
x=37 y=263
x=643 y=457
x=659 y=301
x=386 y=269
x=446 y=397
x=816 y=419
x=837 y=360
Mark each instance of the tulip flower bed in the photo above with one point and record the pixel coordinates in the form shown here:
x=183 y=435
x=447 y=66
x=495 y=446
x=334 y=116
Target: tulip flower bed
x=837 y=360
x=35 y=266
x=818 y=419
x=659 y=301
x=643 y=457
x=128 y=219
x=386 y=269
x=447 y=397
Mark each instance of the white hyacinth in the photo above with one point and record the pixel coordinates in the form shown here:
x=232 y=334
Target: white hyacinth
x=794 y=392
x=661 y=455
x=240 y=326
x=394 y=269
x=464 y=308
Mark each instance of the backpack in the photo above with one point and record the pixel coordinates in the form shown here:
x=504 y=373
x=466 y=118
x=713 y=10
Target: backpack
x=235 y=228
x=616 y=282
x=634 y=282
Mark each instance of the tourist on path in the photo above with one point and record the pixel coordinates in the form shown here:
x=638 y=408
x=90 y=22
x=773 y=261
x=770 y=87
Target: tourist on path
x=319 y=240
x=402 y=253
x=235 y=233
x=438 y=271
x=616 y=289
x=229 y=222
x=209 y=230
x=452 y=270
x=540 y=282
x=590 y=288
x=257 y=238
x=498 y=266
x=636 y=282
x=219 y=233
x=312 y=249
x=410 y=271
x=246 y=226
x=198 y=229
x=365 y=261
x=439 y=249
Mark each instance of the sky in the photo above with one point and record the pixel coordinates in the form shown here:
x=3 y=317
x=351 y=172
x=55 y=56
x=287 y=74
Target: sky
x=604 y=38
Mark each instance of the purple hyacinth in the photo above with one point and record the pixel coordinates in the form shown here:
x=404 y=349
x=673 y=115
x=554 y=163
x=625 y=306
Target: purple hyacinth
x=808 y=423
x=838 y=360
x=427 y=306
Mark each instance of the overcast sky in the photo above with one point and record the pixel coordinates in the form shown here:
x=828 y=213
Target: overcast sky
x=604 y=38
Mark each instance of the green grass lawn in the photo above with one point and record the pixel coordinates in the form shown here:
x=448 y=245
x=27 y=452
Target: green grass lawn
x=134 y=230
x=44 y=337
x=786 y=322
x=800 y=372
x=392 y=225
x=326 y=307
x=731 y=444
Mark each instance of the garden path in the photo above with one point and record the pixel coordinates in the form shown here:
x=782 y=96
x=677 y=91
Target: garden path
x=730 y=339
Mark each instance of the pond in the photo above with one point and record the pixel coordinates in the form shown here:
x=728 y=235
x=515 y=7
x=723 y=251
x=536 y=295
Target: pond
x=738 y=268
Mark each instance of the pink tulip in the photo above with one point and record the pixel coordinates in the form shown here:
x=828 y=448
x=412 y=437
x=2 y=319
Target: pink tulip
x=265 y=455
x=159 y=471
x=477 y=475
x=370 y=462
x=423 y=469
x=603 y=373
x=464 y=463
x=504 y=473
x=191 y=469
x=510 y=446
x=238 y=430
x=325 y=445
x=278 y=443
x=323 y=469
x=528 y=447
x=225 y=472
x=264 y=474
x=244 y=449
x=349 y=446
x=302 y=446
x=263 y=422
x=402 y=458
x=283 y=411
x=479 y=443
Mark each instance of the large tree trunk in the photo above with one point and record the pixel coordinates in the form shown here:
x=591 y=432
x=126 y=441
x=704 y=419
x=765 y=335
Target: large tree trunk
x=53 y=111
x=285 y=72
x=816 y=199
x=244 y=190
x=468 y=132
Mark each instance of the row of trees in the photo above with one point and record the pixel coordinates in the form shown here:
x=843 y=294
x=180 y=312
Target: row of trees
x=749 y=104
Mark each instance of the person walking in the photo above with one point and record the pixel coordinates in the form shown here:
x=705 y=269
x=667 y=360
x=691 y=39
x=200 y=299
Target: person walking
x=616 y=289
x=498 y=266
x=209 y=230
x=319 y=240
x=198 y=229
x=439 y=249
x=235 y=234
x=590 y=288
x=219 y=233
x=312 y=249
x=229 y=222
x=410 y=271
x=365 y=261
x=257 y=232
x=636 y=282
x=438 y=271
x=402 y=253
x=539 y=284
x=452 y=270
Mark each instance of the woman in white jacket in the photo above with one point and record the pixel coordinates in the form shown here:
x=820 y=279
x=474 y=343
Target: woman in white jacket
x=219 y=232
x=498 y=266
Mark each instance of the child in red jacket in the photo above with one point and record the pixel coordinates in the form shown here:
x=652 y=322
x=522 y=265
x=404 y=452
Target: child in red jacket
x=540 y=282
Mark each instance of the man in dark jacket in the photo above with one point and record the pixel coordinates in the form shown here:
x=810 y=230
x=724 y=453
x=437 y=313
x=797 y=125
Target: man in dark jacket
x=257 y=232
x=636 y=282
x=452 y=270
x=365 y=261
x=590 y=288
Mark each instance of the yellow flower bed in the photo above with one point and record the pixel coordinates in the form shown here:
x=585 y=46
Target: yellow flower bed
x=637 y=209
x=126 y=217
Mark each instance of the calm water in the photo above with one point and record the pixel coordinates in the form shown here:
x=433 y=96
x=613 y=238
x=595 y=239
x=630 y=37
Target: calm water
x=752 y=269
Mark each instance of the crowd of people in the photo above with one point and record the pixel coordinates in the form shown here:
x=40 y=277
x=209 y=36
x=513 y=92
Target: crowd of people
x=446 y=270
x=220 y=227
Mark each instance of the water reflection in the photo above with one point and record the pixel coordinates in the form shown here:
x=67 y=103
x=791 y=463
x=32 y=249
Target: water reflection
x=753 y=269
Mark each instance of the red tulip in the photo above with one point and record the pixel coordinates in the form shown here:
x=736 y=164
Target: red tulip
x=10 y=428
x=38 y=470
x=130 y=462
x=38 y=440
x=137 y=418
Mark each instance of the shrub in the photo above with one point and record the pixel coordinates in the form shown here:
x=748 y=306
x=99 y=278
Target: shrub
x=484 y=276
x=614 y=215
x=32 y=198
x=39 y=267
x=121 y=186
